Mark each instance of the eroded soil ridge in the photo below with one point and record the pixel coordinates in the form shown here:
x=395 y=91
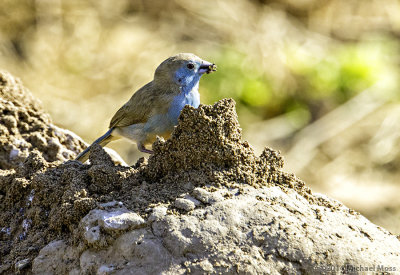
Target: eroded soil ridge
x=43 y=197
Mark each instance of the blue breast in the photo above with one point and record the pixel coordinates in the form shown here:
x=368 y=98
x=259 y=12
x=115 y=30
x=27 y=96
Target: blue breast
x=191 y=98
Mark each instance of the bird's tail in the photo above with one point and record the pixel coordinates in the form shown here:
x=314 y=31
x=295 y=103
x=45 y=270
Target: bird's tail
x=102 y=141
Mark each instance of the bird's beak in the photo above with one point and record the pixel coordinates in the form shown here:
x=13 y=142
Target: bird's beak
x=207 y=67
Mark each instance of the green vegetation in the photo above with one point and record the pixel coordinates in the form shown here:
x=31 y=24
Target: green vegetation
x=320 y=81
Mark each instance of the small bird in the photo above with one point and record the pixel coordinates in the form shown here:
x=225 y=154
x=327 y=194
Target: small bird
x=154 y=109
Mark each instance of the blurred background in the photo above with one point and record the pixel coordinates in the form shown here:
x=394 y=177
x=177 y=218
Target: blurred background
x=316 y=79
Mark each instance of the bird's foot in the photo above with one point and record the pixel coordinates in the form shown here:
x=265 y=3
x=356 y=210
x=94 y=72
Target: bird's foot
x=144 y=149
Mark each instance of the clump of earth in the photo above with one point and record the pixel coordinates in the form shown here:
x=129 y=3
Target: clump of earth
x=45 y=194
x=24 y=126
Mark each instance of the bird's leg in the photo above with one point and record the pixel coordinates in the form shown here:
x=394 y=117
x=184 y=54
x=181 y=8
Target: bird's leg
x=143 y=149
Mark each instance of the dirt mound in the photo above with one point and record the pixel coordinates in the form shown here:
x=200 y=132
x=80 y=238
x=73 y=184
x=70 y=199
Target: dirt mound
x=43 y=199
x=24 y=127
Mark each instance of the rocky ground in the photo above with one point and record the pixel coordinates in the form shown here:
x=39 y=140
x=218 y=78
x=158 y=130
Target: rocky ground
x=202 y=203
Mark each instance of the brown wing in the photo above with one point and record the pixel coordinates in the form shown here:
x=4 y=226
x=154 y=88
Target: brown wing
x=136 y=110
x=147 y=101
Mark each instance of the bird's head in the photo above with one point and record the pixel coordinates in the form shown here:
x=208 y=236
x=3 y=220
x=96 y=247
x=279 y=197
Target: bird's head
x=183 y=70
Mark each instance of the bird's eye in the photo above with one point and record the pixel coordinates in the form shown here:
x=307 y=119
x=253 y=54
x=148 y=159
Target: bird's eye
x=190 y=66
